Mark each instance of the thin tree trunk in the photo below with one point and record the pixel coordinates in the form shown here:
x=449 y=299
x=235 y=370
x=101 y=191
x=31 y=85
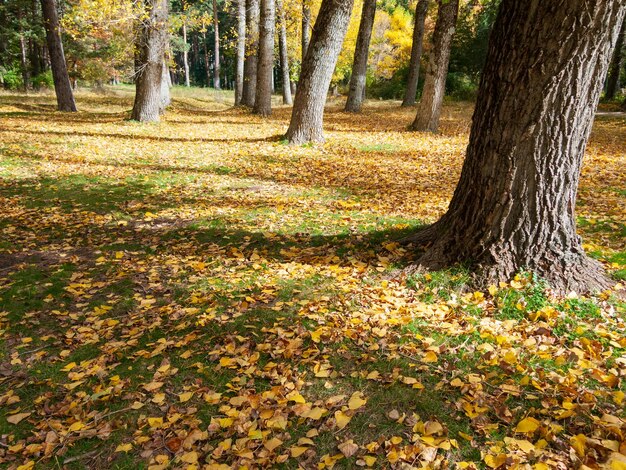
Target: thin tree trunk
x=216 y=53
x=185 y=55
x=410 y=92
x=284 y=56
x=263 y=99
x=151 y=44
x=241 y=50
x=252 y=44
x=62 y=86
x=306 y=27
x=356 y=92
x=429 y=108
x=24 y=63
x=328 y=35
x=514 y=206
x=612 y=84
x=207 y=66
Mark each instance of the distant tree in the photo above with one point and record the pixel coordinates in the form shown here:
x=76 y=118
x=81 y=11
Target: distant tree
x=216 y=49
x=513 y=207
x=241 y=50
x=151 y=42
x=252 y=44
x=265 y=67
x=284 y=53
x=328 y=34
x=410 y=92
x=356 y=92
x=615 y=70
x=429 y=108
x=62 y=86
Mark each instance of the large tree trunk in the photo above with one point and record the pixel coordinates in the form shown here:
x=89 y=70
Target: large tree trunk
x=513 y=208
x=252 y=45
x=361 y=53
x=263 y=99
x=166 y=83
x=416 y=53
x=306 y=27
x=317 y=71
x=241 y=50
x=62 y=86
x=612 y=84
x=429 y=108
x=185 y=55
x=284 y=56
x=151 y=44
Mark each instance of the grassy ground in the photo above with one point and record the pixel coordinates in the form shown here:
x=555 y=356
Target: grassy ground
x=197 y=293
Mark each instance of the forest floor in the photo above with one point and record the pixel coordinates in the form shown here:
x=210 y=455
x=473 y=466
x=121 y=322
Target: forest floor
x=198 y=294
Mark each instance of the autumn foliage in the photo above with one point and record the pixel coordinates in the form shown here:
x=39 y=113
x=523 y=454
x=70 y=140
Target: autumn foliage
x=197 y=294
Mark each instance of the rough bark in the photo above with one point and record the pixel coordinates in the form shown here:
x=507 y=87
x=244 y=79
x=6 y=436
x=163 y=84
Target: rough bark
x=306 y=27
x=151 y=43
x=612 y=83
x=62 y=86
x=241 y=50
x=429 y=108
x=410 y=92
x=216 y=52
x=252 y=44
x=263 y=99
x=514 y=206
x=166 y=83
x=356 y=91
x=185 y=55
x=317 y=71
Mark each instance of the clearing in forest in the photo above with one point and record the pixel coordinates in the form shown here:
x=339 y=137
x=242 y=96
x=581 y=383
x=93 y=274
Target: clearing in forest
x=196 y=292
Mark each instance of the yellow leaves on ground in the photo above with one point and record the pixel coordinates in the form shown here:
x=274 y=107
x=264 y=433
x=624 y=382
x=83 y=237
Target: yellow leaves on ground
x=198 y=295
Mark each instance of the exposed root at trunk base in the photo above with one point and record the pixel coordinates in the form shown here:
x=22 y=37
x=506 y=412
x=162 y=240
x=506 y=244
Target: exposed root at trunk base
x=571 y=271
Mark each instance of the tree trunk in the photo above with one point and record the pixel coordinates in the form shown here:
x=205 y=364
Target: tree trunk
x=361 y=53
x=513 y=208
x=306 y=27
x=185 y=55
x=62 y=86
x=429 y=108
x=252 y=44
x=612 y=84
x=317 y=71
x=241 y=50
x=284 y=56
x=416 y=53
x=263 y=99
x=207 y=66
x=151 y=44
x=24 y=63
x=166 y=83
x=216 y=53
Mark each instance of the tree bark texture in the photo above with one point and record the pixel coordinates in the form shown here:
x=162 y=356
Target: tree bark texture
x=216 y=53
x=241 y=50
x=306 y=27
x=151 y=43
x=356 y=91
x=317 y=71
x=284 y=56
x=185 y=55
x=612 y=83
x=410 y=92
x=62 y=86
x=429 y=108
x=166 y=83
x=513 y=208
x=252 y=45
x=263 y=99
